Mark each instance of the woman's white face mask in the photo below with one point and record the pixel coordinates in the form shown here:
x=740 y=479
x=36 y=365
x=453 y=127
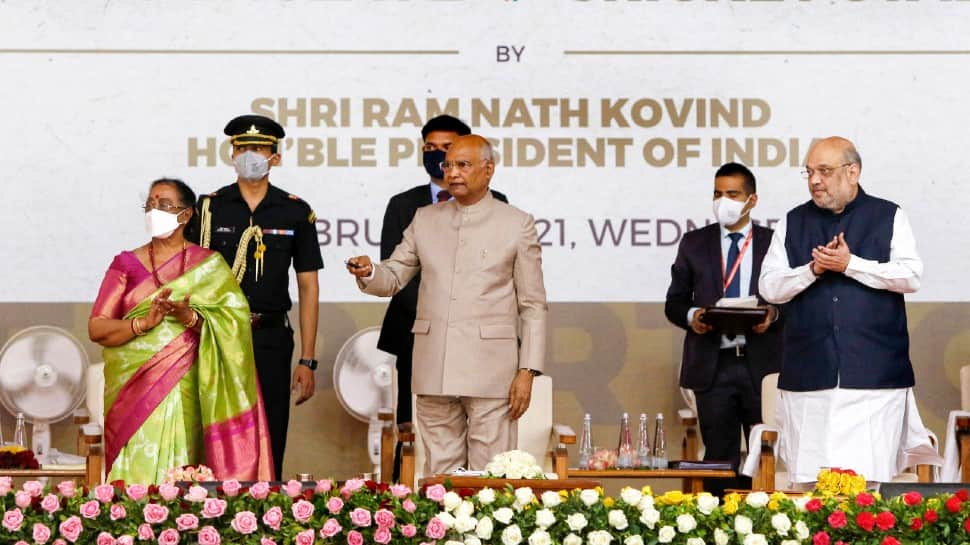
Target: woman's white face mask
x=161 y=224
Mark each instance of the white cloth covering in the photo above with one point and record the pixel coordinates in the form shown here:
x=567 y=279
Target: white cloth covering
x=951 y=455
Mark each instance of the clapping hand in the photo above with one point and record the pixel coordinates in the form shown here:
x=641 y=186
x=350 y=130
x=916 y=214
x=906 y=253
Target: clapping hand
x=360 y=266
x=834 y=256
x=157 y=310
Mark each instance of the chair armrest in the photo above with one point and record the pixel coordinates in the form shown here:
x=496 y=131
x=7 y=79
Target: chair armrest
x=563 y=434
x=687 y=417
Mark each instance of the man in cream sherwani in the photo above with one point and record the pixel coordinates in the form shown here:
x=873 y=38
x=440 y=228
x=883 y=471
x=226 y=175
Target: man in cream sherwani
x=479 y=335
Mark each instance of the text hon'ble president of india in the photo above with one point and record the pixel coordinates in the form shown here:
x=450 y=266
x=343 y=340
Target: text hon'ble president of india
x=480 y=331
x=841 y=263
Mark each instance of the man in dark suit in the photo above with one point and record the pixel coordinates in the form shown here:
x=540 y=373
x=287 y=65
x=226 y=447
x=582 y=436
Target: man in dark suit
x=724 y=370
x=396 y=337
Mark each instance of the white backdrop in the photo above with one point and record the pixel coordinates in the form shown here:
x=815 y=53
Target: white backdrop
x=102 y=97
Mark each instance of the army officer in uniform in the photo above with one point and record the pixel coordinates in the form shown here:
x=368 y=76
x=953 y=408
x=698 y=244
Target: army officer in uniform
x=260 y=229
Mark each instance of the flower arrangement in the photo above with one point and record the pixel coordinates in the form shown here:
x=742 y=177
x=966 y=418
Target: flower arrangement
x=192 y=474
x=17 y=457
x=360 y=512
x=839 y=482
x=514 y=464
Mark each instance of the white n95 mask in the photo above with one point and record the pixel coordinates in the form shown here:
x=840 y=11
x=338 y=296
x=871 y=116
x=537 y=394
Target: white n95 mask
x=160 y=224
x=728 y=211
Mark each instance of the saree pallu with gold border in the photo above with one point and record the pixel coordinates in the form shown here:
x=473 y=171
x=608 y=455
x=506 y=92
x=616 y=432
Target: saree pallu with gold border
x=174 y=397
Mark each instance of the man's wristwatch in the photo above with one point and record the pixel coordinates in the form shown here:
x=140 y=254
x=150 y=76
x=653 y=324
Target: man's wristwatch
x=533 y=372
x=312 y=364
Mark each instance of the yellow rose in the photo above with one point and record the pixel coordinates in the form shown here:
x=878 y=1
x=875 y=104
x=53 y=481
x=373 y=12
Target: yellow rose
x=672 y=497
x=13 y=449
x=608 y=502
x=646 y=490
x=730 y=507
x=773 y=505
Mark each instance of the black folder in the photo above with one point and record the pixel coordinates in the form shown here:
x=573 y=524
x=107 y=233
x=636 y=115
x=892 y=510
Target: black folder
x=734 y=320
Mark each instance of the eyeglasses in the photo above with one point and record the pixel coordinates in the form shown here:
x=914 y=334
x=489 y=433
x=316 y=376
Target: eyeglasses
x=163 y=206
x=463 y=166
x=824 y=172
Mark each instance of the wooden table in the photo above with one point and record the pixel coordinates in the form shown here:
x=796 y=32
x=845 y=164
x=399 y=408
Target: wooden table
x=693 y=478
x=477 y=483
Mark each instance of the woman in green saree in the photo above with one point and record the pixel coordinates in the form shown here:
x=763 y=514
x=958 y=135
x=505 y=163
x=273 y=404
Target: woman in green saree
x=180 y=379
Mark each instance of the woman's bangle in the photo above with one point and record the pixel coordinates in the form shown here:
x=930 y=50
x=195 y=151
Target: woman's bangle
x=194 y=321
x=136 y=328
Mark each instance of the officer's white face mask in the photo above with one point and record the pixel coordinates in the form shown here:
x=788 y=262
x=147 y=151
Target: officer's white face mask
x=160 y=224
x=251 y=166
x=729 y=211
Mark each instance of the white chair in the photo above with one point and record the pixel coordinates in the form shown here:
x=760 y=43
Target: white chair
x=956 y=451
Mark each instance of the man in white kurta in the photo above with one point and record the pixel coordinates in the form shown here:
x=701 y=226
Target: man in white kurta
x=841 y=263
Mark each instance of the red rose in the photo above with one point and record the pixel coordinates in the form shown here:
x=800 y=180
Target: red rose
x=866 y=520
x=813 y=505
x=912 y=498
x=916 y=524
x=966 y=525
x=888 y=540
x=821 y=538
x=962 y=494
x=864 y=499
x=885 y=520
x=837 y=519
x=930 y=516
x=953 y=504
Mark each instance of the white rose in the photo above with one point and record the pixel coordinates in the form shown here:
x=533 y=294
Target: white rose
x=465 y=509
x=576 y=521
x=512 y=535
x=631 y=496
x=757 y=499
x=551 y=499
x=599 y=537
x=515 y=471
x=755 y=539
x=486 y=496
x=666 y=534
x=495 y=468
x=695 y=541
x=540 y=537
x=801 y=501
x=789 y=542
x=484 y=528
x=706 y=503
x=464 y=524
x=589 y=497
x=650 y=517
x=686 y=523
x=524 y=496
x=451 y=501
x=503 y=515
x=721 y=537
x=781 y=523
x=453 y=542
x=472 y=540
x=545 y=518
x=742 y=525
x=633 y=540
x=572 y=539
x=801 y=530
x=617 y=519
x=447 y=519
x=645 y=502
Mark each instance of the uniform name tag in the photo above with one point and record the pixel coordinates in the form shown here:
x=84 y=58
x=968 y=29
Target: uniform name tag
x=229 y=229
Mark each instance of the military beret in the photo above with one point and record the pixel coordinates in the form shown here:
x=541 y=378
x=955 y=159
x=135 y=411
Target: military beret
x=254 y=129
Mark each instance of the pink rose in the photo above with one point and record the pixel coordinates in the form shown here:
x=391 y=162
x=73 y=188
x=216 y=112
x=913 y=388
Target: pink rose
x=244 y=522
x=351 y=486
x=168 y=492
x=409 y=530
x=104 y=493
x=436 y=528
x=409 y=506
x=22 y=499
x=51 y=503
x=71 y=528
x=231 y=487
x=59 y=541
x=136 y=491
x=360 y=517
x=21 y=542
x=384 y=518
x=169 y=536
x=6 y=485
x=330 y=529
x=90 y=509
x=304 y=538
x=303 y=510
x=382 y=535
x=67 y=488
x=13 y=519
x=213 y=508
x=334 y=505
x=266 y=541
x=435 y=492
x=41 y=533
x=126 y=540
x=187 y=521
x=400 y=491
x=259 y=490
x=155 y=513
x=145 y=533
x=355 y=538
x=209 y=536
x=293 y=488
x=34 y=488
x=324 y=486
x=273 y=518
x=196 y=494
x=118 y=511
x=104 y=538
